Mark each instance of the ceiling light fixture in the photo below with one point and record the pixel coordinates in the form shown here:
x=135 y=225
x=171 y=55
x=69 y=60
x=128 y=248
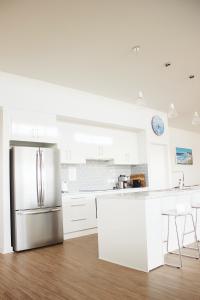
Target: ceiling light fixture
x=172 y=113
x=140 y=100
x=136 y=48
x=196 y=119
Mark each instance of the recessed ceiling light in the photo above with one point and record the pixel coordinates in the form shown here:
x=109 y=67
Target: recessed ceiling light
x=136 y=48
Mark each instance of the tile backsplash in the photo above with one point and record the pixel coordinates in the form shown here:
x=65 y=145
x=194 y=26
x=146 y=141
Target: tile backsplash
x=97 y=175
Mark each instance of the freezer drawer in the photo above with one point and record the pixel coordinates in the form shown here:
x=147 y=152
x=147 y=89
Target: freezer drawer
x=37 y=228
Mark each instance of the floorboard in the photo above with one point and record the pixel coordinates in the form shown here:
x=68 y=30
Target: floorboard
x=72 y=271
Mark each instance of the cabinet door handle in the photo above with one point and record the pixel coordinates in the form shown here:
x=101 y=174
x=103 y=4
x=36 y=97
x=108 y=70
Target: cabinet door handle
x=76 y=197
x=77 y=205
x=76 y=220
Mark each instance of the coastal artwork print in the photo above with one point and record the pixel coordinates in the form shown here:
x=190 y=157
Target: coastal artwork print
x=184 y=156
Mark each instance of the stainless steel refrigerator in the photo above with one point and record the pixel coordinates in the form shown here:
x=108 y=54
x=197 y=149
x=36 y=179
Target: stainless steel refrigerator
x=36 y=210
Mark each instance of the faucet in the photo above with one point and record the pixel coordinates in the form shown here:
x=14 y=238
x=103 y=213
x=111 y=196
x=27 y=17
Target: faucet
x=181 y=181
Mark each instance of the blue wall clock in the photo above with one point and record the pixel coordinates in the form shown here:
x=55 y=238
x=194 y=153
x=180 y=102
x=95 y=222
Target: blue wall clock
x=157 y=125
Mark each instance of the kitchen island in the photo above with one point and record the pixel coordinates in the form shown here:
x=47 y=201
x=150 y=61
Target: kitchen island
x=131 y=228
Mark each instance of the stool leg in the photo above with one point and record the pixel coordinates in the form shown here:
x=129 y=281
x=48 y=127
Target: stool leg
x=168 y=234
x=196 y=221
x=196 y=216
x=195 y=235
x=183 y=236
x=179 y=247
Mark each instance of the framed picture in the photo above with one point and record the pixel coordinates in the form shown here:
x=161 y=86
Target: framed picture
x=184 y=156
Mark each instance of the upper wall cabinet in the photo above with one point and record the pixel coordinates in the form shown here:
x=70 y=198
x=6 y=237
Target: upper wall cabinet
x=125 y=148
x=71 y=152
x=33 y=127
x=79 y=143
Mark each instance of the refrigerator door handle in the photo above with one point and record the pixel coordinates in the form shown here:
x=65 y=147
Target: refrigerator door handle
x=56 y=209
x=38 y=179
x=38 y=211
x=42 y=177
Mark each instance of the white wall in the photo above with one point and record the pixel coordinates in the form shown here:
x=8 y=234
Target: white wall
x=1 y=175
x=22 y=93
x=158 y=167
x=187 y=139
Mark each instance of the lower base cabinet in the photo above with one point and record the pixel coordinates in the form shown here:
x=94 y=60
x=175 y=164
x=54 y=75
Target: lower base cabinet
x=79 y=214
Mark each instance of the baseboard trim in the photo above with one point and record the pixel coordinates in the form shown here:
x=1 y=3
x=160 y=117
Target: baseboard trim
x=77 y=234
x=7 y=250
x=67 y=236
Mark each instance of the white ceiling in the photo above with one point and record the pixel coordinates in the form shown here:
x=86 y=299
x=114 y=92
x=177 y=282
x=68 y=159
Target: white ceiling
x=86 y=44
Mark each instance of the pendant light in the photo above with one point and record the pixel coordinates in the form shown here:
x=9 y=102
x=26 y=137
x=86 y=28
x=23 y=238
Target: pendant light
x=140 y=100
x=196 y=119
x=172 y=113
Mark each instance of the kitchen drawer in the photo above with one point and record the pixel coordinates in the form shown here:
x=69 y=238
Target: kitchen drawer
x=79 y=214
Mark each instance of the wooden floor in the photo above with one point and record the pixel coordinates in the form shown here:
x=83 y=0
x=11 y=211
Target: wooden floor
x=72 y=271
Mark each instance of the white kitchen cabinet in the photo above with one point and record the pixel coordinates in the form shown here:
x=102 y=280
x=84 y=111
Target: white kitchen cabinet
x=132 y=236
x=99 y=152
x=79 y=214
x=125 y=158
x=126 y=148
x=79 y=143
x=33 y=127
x=69 y=155
x=71 y=151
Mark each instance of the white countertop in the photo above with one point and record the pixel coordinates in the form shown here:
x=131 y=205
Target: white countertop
x=102 y=193
x=144 y=195
x=130 y=193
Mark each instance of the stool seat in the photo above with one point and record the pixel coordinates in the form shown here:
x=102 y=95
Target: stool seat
x=195 y=204
x=176 y=212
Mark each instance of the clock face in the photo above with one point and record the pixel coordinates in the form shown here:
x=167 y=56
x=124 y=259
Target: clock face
x=157 y=125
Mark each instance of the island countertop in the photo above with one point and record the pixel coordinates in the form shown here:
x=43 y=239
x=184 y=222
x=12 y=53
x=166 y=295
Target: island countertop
x=144 y=195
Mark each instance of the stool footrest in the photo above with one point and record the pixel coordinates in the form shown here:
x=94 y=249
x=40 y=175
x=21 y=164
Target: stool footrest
x=189 y=232
x=173 y=266
x=190 y=247
x=186 y=255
